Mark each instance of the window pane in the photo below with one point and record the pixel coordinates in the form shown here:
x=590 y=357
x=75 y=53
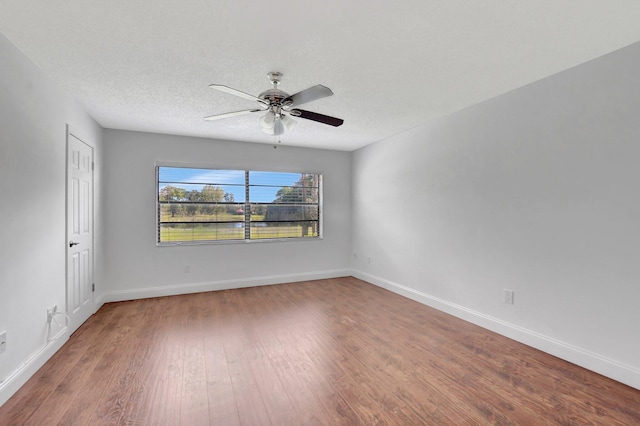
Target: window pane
x=201 y=176
x=285 y=212
x=283 y=194
x=201 y=212
x=263 y=230
x=187 y=184
x=200 y=192
x=183 y=232
x=273 y=178
x=275 y=187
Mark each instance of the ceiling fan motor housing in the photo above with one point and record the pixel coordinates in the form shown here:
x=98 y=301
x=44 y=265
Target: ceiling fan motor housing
x=274 y=96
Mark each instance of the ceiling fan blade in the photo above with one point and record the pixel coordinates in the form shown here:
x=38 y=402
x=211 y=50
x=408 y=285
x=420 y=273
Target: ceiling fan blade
x=311 y=94
x=232 y=114
x=235 y=92
x=314 y=116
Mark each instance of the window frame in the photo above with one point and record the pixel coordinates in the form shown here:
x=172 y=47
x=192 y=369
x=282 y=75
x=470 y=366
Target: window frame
x=247 y=202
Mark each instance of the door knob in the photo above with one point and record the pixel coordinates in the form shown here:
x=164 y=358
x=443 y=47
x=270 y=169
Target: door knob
x=71 y=244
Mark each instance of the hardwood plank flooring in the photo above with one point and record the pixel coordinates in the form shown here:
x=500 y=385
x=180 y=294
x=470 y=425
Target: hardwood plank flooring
x=327 y=352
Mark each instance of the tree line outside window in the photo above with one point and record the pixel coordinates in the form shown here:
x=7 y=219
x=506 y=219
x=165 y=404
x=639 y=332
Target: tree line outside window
x=201 y=205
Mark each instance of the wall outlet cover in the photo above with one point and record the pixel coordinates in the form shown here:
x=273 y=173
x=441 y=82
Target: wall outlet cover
x=508 y=297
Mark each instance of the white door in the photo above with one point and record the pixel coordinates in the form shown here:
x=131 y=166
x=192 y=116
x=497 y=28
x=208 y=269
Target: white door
x=79 y=231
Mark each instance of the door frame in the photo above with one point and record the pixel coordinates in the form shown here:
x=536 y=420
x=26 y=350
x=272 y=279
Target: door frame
x=72 y=132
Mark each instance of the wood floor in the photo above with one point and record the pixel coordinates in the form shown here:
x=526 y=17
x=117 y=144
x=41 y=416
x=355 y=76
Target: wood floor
x=326 y=352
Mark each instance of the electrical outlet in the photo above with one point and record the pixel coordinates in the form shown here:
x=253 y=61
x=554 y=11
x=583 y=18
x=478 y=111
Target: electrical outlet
x=187 y=269
x=3 y=341
x=508 y=296
x=51 y=312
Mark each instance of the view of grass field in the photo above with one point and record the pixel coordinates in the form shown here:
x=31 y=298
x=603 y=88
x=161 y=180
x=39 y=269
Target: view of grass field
x=232 y=231
x=210 y=205
x=166 y=217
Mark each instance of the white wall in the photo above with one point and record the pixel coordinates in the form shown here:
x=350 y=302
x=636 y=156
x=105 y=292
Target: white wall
x=34 y=113
x=135 y=267
x=534 y=191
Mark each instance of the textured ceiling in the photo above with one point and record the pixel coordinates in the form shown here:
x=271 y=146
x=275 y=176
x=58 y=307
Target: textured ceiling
x=145 y=65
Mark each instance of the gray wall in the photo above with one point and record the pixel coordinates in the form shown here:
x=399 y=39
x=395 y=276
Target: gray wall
x=136 y=267
x=34 y=113
x=534 y=191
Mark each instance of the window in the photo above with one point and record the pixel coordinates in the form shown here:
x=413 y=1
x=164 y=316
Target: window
x=197 y=205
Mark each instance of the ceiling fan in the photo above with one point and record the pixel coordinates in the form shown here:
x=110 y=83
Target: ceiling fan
x=280 y=106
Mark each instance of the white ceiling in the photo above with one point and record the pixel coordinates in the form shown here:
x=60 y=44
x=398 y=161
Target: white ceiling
x=145 y=65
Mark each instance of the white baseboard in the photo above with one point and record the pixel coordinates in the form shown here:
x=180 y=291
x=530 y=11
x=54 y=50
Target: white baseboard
x=592 y=361
x=172 y=290
x=20 y=376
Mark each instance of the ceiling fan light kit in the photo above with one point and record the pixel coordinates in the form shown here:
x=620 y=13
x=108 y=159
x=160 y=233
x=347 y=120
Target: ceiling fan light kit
x=279 y=106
